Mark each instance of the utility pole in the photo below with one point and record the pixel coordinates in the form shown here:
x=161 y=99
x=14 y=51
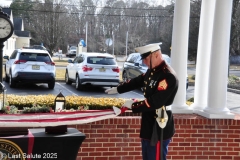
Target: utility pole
x=127 y=37
x=86 y=32
x=113 y=41
x=126 y=43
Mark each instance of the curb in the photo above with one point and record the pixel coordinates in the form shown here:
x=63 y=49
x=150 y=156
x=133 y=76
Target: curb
x=237 y=91
x=233 y=90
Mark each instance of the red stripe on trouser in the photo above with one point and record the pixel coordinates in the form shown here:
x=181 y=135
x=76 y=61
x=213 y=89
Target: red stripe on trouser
x=158 y=149
x=30 y=144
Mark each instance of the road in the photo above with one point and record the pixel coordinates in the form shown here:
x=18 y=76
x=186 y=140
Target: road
x=191 y=71
x=233 y=100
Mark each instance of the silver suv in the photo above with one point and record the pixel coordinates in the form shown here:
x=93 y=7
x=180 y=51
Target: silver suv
x=72 y=51
x=30 y=65
x=134 y=66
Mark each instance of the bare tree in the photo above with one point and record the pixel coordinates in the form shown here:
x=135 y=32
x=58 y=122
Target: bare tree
x=195 y=9
x=48 y=24
x=235 y=29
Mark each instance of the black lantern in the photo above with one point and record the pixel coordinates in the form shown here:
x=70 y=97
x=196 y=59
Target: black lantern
x=2 y=95
x=59 y=103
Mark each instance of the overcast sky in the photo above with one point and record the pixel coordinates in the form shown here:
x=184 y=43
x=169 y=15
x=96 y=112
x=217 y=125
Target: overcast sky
x=4 y=3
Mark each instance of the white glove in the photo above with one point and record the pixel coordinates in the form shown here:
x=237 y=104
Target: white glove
x=112 y=90
x=128 y=103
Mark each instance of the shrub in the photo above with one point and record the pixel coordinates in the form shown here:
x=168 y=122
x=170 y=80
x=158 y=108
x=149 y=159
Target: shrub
x=191 y=99
x=193 y=77
x=42 y=103
x=232 y=79
x=72 y=102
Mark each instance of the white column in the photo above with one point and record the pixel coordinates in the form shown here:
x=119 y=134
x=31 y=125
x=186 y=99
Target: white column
x=203 y=55
x=218 y=74
x=179 y=53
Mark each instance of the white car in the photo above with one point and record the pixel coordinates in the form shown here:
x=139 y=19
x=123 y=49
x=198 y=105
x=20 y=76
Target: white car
x=72 y=51
x=89 y=68
x=30 y=65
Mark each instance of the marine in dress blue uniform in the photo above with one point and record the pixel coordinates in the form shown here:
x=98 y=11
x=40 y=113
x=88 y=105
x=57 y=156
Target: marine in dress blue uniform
x=160 y=85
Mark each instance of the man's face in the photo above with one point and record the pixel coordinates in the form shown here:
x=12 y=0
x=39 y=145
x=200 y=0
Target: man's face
x=154 y=57
x=147 y=60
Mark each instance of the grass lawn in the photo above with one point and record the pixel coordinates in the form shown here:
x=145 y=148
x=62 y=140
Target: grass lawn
x=60 y=74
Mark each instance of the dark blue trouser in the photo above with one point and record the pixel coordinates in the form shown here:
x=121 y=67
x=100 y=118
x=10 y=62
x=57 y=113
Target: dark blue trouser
x=149 y=152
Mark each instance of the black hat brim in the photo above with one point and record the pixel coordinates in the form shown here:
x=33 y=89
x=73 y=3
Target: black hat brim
x=145 y=55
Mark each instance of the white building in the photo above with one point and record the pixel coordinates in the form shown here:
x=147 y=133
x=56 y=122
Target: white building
x=20 y=38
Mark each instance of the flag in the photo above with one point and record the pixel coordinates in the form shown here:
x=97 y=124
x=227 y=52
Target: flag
x=57 y=118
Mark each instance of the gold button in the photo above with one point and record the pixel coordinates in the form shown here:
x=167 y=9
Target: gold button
x=151 y=73
x=149 y=78
x=144 y=93
x=153 y=69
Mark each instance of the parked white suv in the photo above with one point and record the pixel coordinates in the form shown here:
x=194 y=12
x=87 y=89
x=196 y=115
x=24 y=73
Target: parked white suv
x=99 y=69
x=30 y=65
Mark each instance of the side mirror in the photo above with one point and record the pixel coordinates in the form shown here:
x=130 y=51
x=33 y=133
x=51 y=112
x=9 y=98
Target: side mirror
x=6 y=57
x=70 y=61
x=136 y=64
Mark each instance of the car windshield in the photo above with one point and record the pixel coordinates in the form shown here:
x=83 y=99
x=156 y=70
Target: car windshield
x=73 y=47
x=101 y=60
x=40 y=57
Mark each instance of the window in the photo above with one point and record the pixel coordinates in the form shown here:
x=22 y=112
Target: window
x=101 y=60
x=40 y=57
x=75 y=60
x=133 y=58
x=73 y=47
x=78 y=60
x=14 y=54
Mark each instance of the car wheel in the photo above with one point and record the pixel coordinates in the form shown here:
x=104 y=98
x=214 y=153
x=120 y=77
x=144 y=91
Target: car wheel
x=124 y=77
x=51 y=84
x=67 y=78
x=78 y=83
x=6 y=76
x=12 y=83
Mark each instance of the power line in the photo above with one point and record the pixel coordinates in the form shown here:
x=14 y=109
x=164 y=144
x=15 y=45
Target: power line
x=97 y=14
x=106 y=7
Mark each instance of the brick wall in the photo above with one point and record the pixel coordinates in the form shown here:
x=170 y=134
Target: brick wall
x=196 y=138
